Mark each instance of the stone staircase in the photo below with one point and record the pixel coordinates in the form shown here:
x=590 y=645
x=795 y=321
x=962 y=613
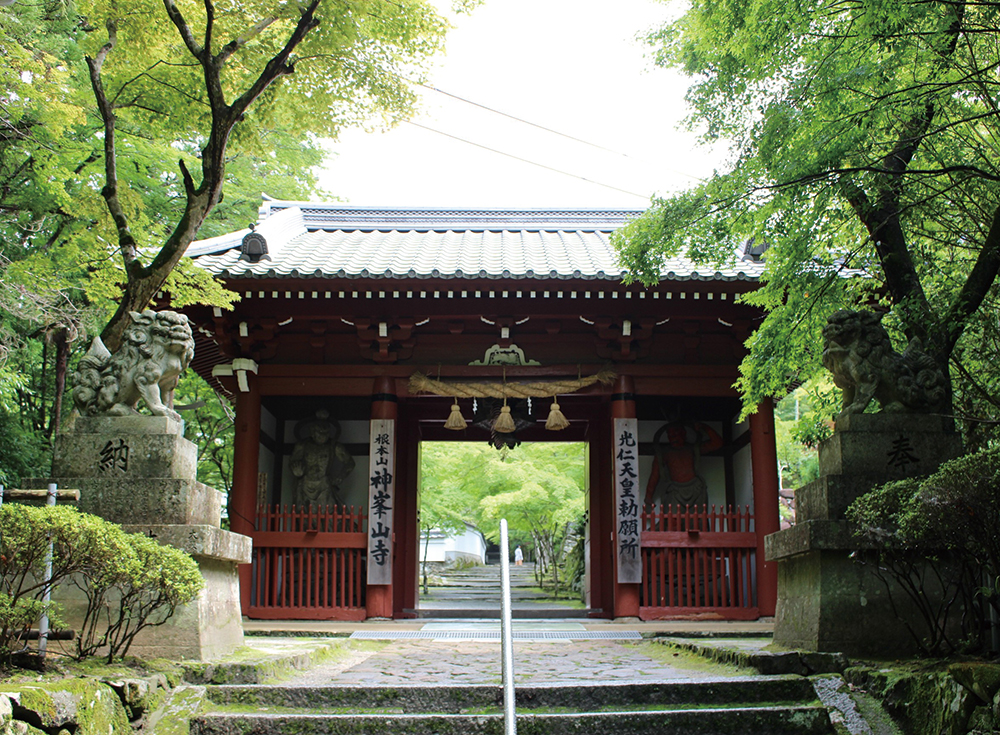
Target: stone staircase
x=766 y=705
x=474 y=592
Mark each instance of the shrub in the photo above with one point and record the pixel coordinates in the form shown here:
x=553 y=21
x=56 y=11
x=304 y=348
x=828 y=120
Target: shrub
x=129 y=581
x=143 y=590
x=941 y=530
x=25 y=533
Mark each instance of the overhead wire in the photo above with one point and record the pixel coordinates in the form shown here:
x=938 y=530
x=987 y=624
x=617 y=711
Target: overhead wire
x=515 y=118
x=552 y=131
x=525 y=160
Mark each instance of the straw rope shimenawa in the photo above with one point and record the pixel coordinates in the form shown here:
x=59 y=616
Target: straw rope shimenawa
x=504 y=423
x=420 y=383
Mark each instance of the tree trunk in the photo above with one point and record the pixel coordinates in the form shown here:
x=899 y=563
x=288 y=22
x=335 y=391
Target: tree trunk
x=62 y=362
x=427 y=546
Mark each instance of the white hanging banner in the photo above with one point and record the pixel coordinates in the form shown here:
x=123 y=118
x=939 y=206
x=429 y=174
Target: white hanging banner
x=381 y=499
x=628 y=513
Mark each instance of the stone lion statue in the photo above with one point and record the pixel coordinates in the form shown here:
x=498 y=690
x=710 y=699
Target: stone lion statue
x=856 y=349
x=157 y=348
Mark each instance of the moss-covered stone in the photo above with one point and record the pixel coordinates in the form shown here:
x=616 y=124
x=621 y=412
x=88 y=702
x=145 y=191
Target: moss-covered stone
x=80 y=706
x=980 y=678
x=6 y=712
x=173 y=715
x=249 y=665
x=932 y=703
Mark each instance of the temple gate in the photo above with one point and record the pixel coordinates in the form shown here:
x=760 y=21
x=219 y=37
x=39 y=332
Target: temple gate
x=342 y=307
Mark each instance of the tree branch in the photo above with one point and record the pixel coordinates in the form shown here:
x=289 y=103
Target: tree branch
x=126 y=243
x=183 y=28
x=237 y=43
x=977 y=285
x=278 y=66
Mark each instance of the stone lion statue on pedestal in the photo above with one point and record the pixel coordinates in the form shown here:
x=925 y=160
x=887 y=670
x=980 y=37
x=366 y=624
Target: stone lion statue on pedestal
x=857 y=350
x=157 y=348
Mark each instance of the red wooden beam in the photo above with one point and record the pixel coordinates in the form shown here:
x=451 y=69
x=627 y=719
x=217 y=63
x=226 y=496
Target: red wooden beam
x=309 y=540
x=698 y=540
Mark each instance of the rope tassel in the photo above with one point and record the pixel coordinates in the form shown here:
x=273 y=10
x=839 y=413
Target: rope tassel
x=505 y=422
x=556 y=420
x=456 y=421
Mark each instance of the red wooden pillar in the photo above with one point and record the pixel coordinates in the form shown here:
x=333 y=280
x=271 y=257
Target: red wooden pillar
x=246 y=459
x=602 y=498
x=406 y=572
x=764 y=461
x=622 y=407
x=384 y=406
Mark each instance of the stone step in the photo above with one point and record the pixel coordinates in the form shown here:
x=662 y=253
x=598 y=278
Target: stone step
x=457 y=699
x=477 y=574
x=775 y=704
x=774 y=720
x=443 y=593
x=475 y=582
x=493 y=612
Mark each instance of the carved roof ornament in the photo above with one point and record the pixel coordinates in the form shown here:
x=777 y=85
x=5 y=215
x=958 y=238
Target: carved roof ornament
x=254 y=246
x=510 y=355
x=753 y=250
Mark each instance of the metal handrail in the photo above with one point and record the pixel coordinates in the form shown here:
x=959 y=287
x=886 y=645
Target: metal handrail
x=506 y=636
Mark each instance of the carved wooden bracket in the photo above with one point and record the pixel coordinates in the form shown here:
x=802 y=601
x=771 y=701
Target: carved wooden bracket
x=623 y=340
x=257 y=340
x=384 y=341
x=236 y=338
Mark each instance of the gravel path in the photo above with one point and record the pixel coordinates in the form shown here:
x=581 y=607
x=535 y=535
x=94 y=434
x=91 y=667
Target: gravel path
x=459 y=662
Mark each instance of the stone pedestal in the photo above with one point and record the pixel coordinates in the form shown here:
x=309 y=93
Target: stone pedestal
x=826 y=601
x=139 y=471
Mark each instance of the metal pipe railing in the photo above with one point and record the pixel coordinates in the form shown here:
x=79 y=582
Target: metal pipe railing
x=43 y=624
x=506 y=637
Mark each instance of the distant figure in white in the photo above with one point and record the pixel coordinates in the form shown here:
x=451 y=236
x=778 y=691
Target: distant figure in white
x=518 y=556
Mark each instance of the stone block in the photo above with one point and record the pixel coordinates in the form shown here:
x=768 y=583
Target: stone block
x=161 y=500
x=828 y=602
x=209 y=628
x=139 y=471
x=136 y=424
x=881 y=423
x=808 y=536
x=208 y=542
x=828 y=498
x=120 y=455
x=889 y=446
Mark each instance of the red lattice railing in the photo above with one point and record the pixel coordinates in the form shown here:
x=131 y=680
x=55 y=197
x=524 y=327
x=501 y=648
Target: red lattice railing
x=308 y=563
x=698 y=561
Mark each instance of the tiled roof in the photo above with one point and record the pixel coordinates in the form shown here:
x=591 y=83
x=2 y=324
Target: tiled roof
x=309 y=240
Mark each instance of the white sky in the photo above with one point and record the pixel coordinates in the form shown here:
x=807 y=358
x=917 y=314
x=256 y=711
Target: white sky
x=574 y=66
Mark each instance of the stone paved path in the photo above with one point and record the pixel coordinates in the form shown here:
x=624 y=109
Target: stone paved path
x=459 y=662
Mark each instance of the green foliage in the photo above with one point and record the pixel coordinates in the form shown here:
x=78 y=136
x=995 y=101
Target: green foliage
x=142 y=589
x=78 y=541
x=23 y=452
x=539 y=488
x=211 y=427
x=130 y=581
x=66 y=262
x=862 y=154
x=947 y=523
